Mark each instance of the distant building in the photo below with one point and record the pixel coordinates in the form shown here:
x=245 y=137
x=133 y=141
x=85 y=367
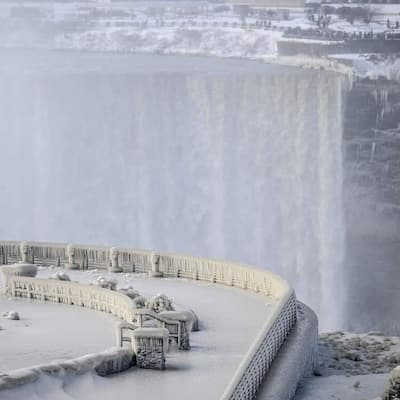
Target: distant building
x=271 y=3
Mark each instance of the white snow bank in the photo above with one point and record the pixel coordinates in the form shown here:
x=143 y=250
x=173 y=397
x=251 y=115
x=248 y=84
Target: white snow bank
x=251 y=44
x=389 y=69
x=373 y=66
x=260 y=45
x=12 y=315
x=105 y=363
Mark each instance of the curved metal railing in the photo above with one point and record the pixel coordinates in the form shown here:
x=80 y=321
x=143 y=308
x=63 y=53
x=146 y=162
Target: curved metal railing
x=258 y=359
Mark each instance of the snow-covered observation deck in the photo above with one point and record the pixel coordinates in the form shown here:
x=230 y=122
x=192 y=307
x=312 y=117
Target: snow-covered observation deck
x=244 y=343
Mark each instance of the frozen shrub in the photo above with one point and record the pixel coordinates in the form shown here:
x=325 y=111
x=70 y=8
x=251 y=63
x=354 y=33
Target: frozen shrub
x=392 y=391
x=138 y=300
x=61 y=276
x=130 y=292
x=105 y=283
x=353 y=356
x=13 y=315
x=160 y=303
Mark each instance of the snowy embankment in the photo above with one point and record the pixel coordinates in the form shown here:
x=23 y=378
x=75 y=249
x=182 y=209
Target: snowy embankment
x=250 y=44
x=225 y=42
x=104 y=363
x=352 y=367
x=373 y=66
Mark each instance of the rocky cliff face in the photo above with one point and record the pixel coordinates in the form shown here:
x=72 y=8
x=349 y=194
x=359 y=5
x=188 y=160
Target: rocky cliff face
x=372 y=203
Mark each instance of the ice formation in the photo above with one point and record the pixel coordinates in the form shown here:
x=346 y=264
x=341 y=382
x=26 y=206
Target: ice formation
x=186 y=172
x=13 y=315
x=160 y=303
x=106 y=283
x=60 y=275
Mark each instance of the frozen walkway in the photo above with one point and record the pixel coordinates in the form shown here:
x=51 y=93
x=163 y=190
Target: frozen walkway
x=47 y=332
x=230 y=319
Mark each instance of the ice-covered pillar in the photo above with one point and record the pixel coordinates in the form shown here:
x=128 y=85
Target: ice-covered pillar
x=21 y=268
x=24 y=249
x=71 y=253
x=114 y=260
x=150 y=345
x=155 y=266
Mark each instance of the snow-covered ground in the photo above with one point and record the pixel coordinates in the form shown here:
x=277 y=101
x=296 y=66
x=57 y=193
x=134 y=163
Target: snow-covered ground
x=352 y=367
x=373 y=66
x=48 y=332
x=232 y=42
x=340 y=387
x=229 y=321
x=196 y=28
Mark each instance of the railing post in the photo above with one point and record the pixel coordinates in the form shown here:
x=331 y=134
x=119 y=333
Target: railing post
x=155 y=266
x=114 y=260
x=71 y=254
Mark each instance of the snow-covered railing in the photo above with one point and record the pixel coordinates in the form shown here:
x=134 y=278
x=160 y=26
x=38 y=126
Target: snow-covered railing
x=72 y=293
x=258 y=359
x=86 y=256
x=255 y=364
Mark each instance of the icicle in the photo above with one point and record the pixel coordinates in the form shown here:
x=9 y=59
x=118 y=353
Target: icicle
x=373 y=150
x=386 y=169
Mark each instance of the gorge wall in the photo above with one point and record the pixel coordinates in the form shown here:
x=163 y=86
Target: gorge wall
x=372 y=204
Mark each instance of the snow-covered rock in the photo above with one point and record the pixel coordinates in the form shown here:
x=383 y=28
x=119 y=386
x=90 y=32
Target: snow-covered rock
x=160 y=303
x=61 y=276
x=106 y=283
x=105 y=363
x=138 y=300
x=13 y=315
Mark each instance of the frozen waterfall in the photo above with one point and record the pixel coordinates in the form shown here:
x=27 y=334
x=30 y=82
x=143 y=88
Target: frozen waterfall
x=225 y=159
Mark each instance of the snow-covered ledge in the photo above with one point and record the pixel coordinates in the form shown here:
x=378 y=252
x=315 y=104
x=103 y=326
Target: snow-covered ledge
x=108 y=362
x=257 y=361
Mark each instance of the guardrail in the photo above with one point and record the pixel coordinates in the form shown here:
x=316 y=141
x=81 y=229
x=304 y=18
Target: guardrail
x=72 y=293
x=255 y=364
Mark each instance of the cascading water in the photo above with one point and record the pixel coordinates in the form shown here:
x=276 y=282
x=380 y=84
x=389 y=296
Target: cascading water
x=225 y=159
